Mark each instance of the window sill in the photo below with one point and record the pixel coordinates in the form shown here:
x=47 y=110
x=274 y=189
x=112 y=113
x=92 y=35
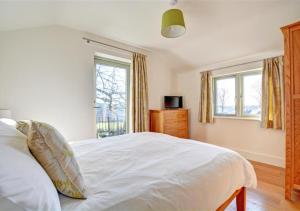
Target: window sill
x=238 y=118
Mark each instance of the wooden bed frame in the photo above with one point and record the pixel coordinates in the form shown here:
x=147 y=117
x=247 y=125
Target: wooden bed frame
x=240 y=196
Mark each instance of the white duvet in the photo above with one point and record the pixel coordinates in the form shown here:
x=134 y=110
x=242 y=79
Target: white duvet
x=151 y=171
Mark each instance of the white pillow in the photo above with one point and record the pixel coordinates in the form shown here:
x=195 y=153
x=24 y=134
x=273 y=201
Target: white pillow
x=22 y=180
x=9 y=135
x=9 y=122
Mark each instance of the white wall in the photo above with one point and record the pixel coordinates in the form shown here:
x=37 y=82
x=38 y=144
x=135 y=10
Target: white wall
x=161 y=80
x=46 y=74
x=244 y=136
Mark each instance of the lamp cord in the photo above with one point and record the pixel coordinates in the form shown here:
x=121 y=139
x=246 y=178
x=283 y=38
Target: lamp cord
x=173 y=2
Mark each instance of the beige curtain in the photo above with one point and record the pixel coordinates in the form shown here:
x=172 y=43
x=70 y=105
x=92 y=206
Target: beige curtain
x=139 y=94
x=205 y=110
x=273 y=94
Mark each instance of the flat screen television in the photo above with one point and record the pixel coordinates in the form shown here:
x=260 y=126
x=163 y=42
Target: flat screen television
x=173 y=102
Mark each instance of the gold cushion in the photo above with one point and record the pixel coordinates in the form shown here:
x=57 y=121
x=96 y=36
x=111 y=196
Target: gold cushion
x=56 y=156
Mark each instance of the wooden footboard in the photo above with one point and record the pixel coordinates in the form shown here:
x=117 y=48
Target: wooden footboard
x=240 y=195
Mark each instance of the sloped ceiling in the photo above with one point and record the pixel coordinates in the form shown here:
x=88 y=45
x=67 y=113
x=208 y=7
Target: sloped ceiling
x=216 y=30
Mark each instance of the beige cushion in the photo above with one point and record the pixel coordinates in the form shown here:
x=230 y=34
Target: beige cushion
x=23 y=126
x=55 y=155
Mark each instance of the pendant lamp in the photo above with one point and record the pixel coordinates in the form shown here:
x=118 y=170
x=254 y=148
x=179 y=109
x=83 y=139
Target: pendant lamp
x=172 y=23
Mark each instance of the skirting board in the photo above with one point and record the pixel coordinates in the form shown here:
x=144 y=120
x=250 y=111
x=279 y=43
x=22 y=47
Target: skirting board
x=263 y=158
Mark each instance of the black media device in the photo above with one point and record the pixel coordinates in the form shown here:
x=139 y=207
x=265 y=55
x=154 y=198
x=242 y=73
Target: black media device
x=173 y=102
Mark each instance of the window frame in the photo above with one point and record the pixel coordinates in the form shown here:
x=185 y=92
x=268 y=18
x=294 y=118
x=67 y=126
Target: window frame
x=242 y=75
x=239 y=92
x=215 y=79
x=120 y=64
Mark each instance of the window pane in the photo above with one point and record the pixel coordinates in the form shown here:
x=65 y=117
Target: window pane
x=252 y=95
x=111 y=99
x=225 y=96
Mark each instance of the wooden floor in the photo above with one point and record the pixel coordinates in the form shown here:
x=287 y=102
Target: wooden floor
x=269 y=194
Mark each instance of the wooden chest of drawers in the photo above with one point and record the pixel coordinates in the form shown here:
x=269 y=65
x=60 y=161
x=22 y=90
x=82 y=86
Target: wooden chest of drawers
x=171 y=122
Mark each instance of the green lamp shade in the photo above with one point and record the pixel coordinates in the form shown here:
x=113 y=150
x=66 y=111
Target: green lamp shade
x=172 y=23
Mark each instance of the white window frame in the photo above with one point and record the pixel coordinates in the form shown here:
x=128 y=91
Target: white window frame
x=239 y=99
x=122 y=64
x=215 y=79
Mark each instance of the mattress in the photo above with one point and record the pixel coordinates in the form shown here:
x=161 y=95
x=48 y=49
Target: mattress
x=152 y=171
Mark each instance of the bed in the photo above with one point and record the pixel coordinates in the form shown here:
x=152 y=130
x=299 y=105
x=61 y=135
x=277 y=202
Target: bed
x=152 y=171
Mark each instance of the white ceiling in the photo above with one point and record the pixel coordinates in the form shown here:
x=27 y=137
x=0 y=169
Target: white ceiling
x=216 y=30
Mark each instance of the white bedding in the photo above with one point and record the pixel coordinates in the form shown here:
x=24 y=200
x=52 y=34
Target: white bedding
x=151 y=171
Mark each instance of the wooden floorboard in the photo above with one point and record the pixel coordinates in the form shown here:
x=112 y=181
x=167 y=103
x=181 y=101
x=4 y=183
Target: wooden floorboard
x=269 y=194
x=269 y=174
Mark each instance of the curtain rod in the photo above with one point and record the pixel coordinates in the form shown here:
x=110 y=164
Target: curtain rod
x=234 y=65
x=102 y=43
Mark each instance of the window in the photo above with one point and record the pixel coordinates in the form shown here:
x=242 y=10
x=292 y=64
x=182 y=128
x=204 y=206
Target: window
x=238 y=95
x=251 y=95
x=225 y=96
x=112 y=97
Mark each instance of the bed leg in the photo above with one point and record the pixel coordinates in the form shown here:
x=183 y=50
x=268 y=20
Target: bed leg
x=241 y=200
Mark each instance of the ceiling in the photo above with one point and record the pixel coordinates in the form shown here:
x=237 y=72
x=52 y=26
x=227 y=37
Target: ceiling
x=216 y=30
